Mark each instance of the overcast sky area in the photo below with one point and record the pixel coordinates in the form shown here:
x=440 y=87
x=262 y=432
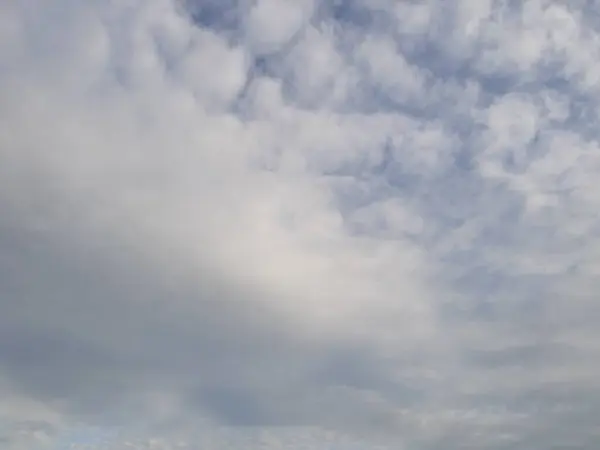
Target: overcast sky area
x=299 y=224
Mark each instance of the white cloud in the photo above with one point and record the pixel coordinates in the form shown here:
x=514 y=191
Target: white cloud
x=271 y=24
x=376 y=220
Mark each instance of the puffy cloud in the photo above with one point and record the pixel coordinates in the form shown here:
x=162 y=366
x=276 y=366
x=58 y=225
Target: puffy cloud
x=298 y=224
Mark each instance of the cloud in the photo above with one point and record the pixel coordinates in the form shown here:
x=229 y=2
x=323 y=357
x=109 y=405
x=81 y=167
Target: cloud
x=289 y=223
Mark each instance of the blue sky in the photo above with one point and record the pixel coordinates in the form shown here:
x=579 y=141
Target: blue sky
x=299 y=224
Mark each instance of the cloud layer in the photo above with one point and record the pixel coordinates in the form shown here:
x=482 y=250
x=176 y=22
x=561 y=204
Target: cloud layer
x=299 y=224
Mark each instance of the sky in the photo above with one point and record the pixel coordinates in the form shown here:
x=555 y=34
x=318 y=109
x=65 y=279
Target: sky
x=299 y=224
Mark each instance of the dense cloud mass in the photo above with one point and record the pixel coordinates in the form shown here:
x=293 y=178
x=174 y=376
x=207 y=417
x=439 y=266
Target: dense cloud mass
x=299 y=224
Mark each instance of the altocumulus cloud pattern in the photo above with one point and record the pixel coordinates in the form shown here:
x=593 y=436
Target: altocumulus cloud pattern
x=299 y=224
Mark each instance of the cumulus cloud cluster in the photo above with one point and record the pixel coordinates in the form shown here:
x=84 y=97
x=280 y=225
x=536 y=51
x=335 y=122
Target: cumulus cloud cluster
x=299 y=224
